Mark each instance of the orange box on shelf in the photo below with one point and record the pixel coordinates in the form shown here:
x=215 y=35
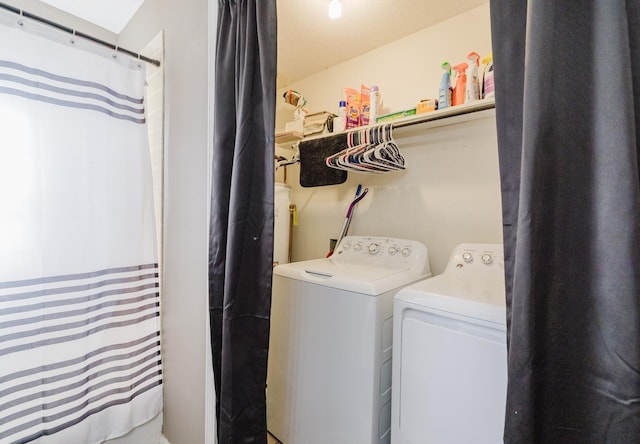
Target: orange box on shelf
x=426 y=105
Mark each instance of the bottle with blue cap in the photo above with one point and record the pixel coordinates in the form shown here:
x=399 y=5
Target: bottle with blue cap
x=341 y=121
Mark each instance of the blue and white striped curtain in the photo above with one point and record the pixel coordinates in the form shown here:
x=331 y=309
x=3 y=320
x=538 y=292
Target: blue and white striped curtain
x=79 y=302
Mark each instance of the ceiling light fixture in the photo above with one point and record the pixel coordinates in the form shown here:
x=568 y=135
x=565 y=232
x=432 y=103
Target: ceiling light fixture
x=335 y=9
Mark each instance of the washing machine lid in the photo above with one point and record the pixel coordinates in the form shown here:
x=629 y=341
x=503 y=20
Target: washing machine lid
x=482 y=300
x=366 y=279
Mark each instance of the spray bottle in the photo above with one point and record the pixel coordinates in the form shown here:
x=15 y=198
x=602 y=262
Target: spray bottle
x=487 y=78
x=461 y=84
x=473 y=84
x=444 y=94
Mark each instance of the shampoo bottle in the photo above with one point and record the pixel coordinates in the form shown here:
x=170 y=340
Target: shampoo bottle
x=459 y=90
x=487 y=78
x=473 y=84
x=444 y=94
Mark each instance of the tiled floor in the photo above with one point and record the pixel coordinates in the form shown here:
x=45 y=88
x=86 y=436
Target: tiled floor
x=271 y=439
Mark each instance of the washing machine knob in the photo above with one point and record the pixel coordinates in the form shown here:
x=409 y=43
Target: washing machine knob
x=346 y=245
x=393 y=250
x=486 y=258
x=373 y=249
x=357 y=247
x=467 y=257
x=406 y=251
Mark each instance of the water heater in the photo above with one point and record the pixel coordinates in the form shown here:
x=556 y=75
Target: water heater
x=281 y=224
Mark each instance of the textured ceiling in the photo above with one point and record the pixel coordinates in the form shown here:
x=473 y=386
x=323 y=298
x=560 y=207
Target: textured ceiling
x=309 y=41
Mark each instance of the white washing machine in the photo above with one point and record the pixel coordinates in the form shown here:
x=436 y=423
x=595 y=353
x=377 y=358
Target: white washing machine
x=450 y=354
x=329 y=372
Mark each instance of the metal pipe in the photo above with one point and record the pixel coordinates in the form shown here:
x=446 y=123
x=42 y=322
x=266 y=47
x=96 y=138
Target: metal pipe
x=78 y=33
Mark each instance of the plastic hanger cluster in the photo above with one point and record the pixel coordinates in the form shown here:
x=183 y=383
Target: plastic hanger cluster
x=370 y=150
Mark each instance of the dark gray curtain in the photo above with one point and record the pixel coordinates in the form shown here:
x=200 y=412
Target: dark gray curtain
x=567 y=77
x=241 y=230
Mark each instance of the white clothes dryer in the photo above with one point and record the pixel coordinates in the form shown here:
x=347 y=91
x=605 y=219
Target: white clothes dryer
x=450 y=354
x=329 y=367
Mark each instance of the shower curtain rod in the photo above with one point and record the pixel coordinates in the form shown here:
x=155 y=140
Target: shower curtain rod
x=72 y=31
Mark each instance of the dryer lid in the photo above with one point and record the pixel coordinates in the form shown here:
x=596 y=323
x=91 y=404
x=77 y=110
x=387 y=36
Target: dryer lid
x=471 y=286
x=446 y=294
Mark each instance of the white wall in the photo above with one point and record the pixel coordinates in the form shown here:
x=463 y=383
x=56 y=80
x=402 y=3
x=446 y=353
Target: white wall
x=186 y=70
x=450 y=192
x=405 y=71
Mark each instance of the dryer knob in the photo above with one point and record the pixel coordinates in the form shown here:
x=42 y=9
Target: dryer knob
x=357 y=247
x=487 y=259
x=467 y=257
x=373 y=249
x=346 y=245
x=393 y=250
x=406 y=251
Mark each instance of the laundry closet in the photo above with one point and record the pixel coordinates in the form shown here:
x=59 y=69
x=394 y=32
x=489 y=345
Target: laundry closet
x=450 y=190
x=333 y=337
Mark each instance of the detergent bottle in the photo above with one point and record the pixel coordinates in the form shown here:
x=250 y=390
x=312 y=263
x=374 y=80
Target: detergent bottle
x=487 y=77
x=444 y=94
x=473 y=83
x=461 y=84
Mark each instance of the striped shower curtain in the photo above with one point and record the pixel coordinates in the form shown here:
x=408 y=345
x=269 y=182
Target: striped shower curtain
x=79 y=302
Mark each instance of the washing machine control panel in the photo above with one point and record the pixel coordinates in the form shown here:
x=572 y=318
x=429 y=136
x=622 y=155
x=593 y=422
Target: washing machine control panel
x=382 y=251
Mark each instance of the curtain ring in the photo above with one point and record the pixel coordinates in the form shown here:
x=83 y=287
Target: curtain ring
x=115 y=54
x=73 y=36
x=20 y=21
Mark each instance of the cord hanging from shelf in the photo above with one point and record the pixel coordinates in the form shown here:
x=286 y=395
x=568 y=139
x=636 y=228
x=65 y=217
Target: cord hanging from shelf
x=282 y=161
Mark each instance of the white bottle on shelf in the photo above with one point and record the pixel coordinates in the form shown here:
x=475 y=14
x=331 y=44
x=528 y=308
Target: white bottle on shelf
x=340 y=123
x=374 y=102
